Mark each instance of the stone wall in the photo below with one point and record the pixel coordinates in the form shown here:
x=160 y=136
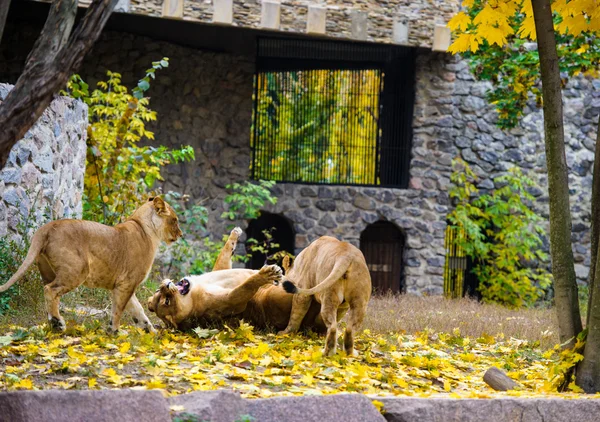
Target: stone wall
x=421 y=16
x=204 y=99
x=43 y=178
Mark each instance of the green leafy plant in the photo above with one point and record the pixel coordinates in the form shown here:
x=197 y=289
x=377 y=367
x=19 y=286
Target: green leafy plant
x=247 y=199
x=120 y=173
x=503 y=235
x=196 y=253
x=268 y=247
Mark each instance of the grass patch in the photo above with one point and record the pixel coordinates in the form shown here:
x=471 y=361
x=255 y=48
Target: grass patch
x=412 y=314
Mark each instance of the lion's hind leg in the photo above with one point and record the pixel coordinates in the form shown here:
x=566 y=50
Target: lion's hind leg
x=329 y=310
x=300 y=306
x=355 y=320
x=238 y=298
x=64 y=281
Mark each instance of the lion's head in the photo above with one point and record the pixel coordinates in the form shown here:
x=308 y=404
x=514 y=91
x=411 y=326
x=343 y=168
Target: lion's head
x=160 y=218
x=169 y=302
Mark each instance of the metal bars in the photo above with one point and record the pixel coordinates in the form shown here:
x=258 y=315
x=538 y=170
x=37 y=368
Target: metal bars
x=323 y=113
x=455 y=266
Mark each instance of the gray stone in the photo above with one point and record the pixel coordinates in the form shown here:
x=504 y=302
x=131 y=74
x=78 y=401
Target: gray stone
x=325 y=204
x=490 y=410
x=328 y=221
x=11 y=175
x=332 y=408
x=213 y=406
x=364 y=202
x=74 y=406
x=308 y=191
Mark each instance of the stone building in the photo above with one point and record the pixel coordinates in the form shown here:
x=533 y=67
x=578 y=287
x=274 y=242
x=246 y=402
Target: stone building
x=205 y=99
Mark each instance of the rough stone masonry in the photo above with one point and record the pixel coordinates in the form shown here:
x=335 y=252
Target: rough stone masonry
x=43 y=178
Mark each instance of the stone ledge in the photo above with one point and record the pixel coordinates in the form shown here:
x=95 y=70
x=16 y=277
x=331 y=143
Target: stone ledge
x=490 y=410
x=78 y=406
x=228 y=406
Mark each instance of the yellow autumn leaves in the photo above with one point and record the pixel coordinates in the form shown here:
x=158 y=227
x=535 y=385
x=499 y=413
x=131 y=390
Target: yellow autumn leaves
x=265 y=365
x=495 y=21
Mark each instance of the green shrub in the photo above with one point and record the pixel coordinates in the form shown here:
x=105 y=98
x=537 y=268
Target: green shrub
x=503 y=235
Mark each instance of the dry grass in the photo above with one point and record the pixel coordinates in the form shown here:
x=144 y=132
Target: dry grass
x=411 y=314
x=391 y=313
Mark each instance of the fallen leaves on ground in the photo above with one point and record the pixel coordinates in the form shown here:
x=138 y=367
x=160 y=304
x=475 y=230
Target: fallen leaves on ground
x=266 y=365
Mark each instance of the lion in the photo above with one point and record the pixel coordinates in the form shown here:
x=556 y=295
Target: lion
x=335 y=273
x=249 y=294
x=70 y=253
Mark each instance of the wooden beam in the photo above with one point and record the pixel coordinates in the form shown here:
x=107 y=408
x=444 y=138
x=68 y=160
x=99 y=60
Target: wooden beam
x=172 y=8
x=223 y=11
x=316 y=20
x=498 y=380
x=441 y=38
x=270 y=14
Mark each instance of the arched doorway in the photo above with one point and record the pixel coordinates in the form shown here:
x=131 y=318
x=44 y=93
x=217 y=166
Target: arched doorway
x=382 y=243
x=281 y=233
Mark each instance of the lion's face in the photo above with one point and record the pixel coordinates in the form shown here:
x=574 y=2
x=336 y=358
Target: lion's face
x=165 y=221
x=168 y=303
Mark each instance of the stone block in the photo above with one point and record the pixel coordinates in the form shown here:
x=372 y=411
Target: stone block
x=214 y=406
x=334 y=408
x=75 y=406
x=172 y=8
x=316 y=19
x=223 y=11
x=489 y=410
x=358 y=24
x=270 y=17
x=400 y=32
x=441 y=38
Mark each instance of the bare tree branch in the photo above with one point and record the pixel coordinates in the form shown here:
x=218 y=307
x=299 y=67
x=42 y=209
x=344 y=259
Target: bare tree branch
x=53 y=59
x=4 y=6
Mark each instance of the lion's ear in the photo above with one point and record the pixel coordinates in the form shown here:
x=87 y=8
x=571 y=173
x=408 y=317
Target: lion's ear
x=159 y=205
x=287 y=263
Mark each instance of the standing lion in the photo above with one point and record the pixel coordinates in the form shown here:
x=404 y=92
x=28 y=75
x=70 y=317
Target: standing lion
x=70 y=253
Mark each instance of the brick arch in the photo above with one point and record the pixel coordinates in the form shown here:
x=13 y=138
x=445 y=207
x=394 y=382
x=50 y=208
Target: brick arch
x=282 y=231
x=383 y=245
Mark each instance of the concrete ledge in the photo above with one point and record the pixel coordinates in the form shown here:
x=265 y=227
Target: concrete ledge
x=79 y=406
x=228 y=406
x=490 y=410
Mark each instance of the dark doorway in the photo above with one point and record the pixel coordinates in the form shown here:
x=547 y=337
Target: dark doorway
x=382 y=243
x=459 y=279
x=281 y=233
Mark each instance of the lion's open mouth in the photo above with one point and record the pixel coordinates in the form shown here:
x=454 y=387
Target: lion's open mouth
x=183 y=286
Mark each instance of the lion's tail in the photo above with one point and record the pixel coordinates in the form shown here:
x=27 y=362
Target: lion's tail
x=340 y=267
x=37 y=244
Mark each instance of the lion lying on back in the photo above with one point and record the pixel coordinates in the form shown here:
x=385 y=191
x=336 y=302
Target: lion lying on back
x=334 y=272
x=249 y=294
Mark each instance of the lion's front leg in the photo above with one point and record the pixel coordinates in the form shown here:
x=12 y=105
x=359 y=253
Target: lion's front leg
x=135 y=309
x=237 y=299
x=224 y=259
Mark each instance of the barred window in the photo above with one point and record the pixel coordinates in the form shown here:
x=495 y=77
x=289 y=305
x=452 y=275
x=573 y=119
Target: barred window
x=332 y=113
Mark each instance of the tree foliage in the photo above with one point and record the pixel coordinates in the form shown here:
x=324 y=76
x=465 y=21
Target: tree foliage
x=511 y=62
x=503 y=235
x=120 y=173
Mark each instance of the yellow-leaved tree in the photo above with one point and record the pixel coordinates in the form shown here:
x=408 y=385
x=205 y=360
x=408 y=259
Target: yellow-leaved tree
x=499 y=27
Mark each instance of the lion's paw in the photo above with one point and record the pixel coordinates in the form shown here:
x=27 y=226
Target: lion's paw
x=272 y=273
x=236 y=233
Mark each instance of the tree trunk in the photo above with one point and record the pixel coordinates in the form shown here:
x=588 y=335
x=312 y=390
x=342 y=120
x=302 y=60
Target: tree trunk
x=53 y=59
x=588 y=371
x=563 y=269
x=595 y=221
x=4 y=6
